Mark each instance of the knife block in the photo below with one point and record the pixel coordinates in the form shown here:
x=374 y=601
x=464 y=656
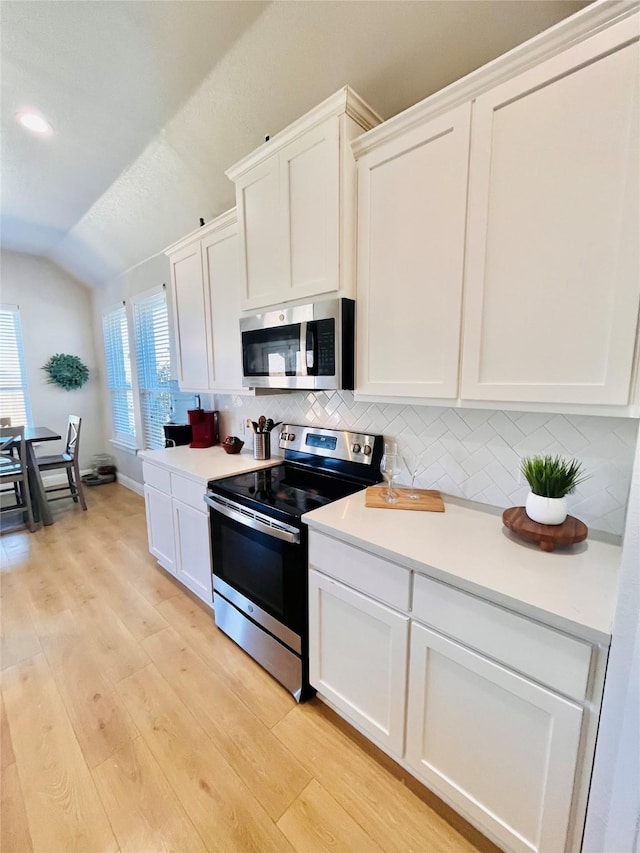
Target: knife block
x=205 y=428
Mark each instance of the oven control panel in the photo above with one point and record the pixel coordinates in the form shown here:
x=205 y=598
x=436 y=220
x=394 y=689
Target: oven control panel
x=335 y=444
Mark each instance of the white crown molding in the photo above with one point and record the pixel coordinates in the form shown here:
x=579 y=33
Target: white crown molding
x=217 y=224
x=344 y=101
x=571 y=31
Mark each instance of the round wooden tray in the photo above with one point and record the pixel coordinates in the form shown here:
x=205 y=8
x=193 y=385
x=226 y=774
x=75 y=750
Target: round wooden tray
x=547 y=536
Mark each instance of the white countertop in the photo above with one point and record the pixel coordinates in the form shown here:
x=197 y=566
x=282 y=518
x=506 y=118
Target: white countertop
x=571 y=589
x=206 y=463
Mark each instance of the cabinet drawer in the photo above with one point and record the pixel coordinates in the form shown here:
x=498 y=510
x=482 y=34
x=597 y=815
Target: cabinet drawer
x=552 y=658
x=157 y=477
x=379 y=578
x=189 y=492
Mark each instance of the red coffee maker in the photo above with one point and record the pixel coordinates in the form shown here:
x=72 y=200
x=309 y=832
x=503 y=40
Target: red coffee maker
x=205 y=427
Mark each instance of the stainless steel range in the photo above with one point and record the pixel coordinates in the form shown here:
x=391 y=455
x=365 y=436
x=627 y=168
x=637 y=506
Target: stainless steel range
x=259 y=543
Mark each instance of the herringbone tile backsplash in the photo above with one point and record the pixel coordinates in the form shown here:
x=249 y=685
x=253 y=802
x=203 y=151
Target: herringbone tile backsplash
x=472 y=453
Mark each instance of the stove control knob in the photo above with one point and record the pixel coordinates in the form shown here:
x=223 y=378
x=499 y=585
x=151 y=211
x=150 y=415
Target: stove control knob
x=356 y=448
x=291 y=436
x=367 y=450
x=283 y=436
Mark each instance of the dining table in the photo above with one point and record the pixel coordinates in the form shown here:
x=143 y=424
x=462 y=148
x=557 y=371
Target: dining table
x=33 y=435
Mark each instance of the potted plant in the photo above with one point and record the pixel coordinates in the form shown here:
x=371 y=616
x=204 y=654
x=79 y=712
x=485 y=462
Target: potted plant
x=551 y=478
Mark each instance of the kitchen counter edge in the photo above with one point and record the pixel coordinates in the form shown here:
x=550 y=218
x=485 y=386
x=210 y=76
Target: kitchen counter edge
x=207 y=463
x=572 y=590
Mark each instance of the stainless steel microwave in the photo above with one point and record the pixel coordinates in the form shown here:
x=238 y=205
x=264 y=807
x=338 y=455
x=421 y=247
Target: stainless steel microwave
x=304 y=346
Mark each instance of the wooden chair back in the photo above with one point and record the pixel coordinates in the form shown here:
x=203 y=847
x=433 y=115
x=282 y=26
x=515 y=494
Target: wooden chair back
x=11 y=439
x=73 y=436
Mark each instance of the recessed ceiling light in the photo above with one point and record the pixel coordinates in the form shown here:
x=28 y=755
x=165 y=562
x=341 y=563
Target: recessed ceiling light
x=34 y=122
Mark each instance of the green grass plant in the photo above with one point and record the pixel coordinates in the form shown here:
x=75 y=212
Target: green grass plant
x=552 y=476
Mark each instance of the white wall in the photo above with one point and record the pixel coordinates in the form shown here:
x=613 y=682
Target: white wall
x=56 y=313
x=613 y=817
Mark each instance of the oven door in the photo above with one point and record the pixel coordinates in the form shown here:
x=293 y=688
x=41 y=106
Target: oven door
x=260 y=566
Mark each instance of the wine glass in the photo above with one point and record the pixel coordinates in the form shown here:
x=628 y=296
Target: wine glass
x=412 y=464
x=389 y=468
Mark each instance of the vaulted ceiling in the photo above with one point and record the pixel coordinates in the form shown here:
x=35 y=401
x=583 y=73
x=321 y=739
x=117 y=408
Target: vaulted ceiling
x=151 y=101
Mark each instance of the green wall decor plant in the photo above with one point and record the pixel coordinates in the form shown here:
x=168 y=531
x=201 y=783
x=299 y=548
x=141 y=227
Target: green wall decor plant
x=66 y=371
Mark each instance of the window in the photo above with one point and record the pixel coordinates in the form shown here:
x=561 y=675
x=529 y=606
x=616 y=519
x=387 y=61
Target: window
x=153 y=361
x=118 y=365
x=14 y=397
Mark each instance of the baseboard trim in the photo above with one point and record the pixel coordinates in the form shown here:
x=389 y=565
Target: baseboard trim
x=129 y=483
x=59 y=478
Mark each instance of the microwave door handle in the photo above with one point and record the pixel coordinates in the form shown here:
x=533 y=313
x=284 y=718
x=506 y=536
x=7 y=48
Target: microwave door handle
x=303 y=350
x=311 y=349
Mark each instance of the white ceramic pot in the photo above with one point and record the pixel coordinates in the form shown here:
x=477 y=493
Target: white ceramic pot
x=546 y=510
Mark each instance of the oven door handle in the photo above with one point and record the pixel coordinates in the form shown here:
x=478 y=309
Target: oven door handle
x=277 y=532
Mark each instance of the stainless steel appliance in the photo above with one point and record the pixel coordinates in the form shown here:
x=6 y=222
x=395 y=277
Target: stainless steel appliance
x=259 y=543
x=304 y=346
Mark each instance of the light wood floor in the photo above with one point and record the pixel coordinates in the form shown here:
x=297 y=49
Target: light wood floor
x=129 y=722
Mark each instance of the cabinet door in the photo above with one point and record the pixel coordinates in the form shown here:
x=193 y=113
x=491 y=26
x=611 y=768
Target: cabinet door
x=221 y=259
x=191 y=312
x=412 y=196
x=358 y=658
x=262 y=265
x=310 y=205
x=160 y=527
x=193 y=550
x=552 y=284
x=499 y=748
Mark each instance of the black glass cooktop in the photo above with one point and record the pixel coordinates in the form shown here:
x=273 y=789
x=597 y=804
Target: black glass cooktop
x=285 y=488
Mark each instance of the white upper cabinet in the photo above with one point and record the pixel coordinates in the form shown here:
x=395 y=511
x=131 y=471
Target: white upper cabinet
x=221 y=268
x=191 y=317
x=295 y=200
x=261 y=243
x=498 y=230
x=310 y=205
x=205 y=296
x=412 y=200
x=552 y=285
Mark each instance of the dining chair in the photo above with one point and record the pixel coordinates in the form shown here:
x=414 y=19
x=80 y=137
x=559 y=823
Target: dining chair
x=11 y=451
x=13 y=469
x=69 y=461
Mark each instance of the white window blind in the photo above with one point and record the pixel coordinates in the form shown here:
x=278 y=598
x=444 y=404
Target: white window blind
x=153 y=360
x=14 y=396
x=118 y=364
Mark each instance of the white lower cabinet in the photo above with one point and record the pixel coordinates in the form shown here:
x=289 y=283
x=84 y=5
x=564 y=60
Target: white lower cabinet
x=493 y=711
x=367 y=682
x=178 y=528
x=160 y=527
x=193 y=562
x=500 y=748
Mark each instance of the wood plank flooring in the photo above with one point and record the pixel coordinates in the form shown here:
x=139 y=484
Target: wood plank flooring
x=129 y=722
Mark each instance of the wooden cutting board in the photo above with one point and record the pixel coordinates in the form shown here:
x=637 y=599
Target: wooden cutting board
x=429 y=500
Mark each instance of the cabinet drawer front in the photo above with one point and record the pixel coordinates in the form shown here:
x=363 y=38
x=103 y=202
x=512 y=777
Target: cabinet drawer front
x=379 y=578
x=189 y=492
x=552 y=658
x=157 y=477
